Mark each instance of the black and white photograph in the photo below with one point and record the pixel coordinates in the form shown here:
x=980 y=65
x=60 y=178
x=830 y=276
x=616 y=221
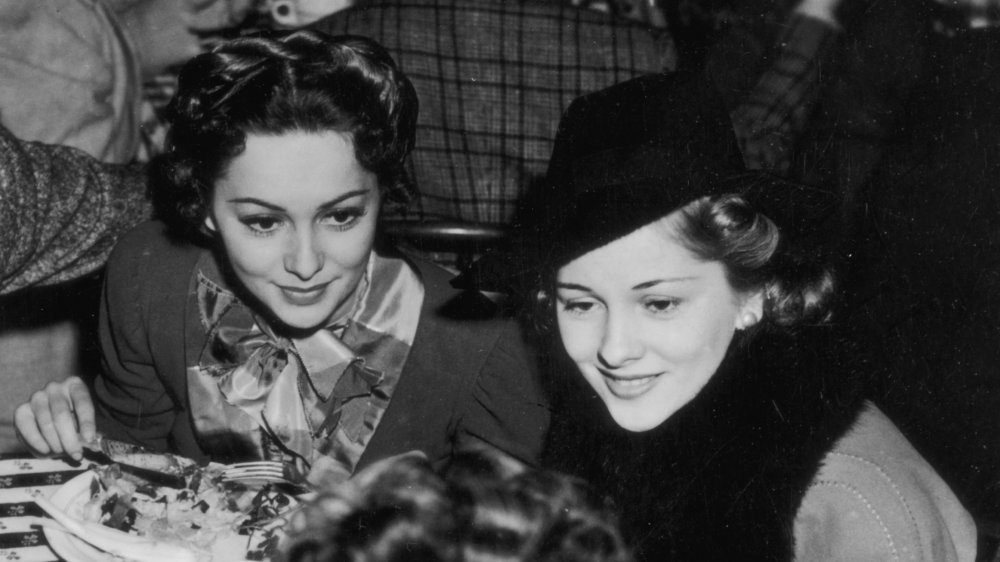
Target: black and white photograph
x=500 y=280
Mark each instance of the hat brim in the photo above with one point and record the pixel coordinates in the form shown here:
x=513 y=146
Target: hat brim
x=607 y=212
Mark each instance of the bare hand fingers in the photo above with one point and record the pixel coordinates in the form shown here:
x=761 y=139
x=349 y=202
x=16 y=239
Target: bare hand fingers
x=64 y=419
x=42 y=410
x=83 y=406
x=28 y=431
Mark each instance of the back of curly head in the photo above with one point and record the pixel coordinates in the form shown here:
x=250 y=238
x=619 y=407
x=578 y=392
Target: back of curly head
x=304 y=81
x=484 y=508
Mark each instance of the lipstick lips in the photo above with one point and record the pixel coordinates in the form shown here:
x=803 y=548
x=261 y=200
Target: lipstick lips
x=628 y=387
x=304 y=296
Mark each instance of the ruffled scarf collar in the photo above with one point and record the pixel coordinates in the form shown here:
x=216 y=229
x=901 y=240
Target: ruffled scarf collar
x=315 y=401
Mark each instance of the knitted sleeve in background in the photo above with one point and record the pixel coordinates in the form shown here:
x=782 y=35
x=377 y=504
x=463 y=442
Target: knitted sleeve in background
x=61 y=211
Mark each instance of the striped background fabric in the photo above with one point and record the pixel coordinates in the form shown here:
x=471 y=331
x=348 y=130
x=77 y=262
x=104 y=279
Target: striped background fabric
x=493 y=77
x=19 y=539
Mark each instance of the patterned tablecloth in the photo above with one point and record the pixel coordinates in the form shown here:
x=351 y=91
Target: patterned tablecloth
x=19 y=541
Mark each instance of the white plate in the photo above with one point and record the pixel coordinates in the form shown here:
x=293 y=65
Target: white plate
x=74 y=494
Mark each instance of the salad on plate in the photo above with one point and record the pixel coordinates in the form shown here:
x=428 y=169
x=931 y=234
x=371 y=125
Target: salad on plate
x=218 y=521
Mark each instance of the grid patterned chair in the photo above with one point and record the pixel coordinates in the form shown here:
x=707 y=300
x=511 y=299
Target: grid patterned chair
x=493 y=77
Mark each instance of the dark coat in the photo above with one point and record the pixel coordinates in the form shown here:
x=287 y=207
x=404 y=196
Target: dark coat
x=723 y=478
x=469 y=376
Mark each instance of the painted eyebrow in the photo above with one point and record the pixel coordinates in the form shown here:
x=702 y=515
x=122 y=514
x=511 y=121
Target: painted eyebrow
x=639 y=287
x=655 y=282
x=324 y=206
x=574 y=287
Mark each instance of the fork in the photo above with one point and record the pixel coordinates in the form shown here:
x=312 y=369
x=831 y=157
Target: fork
x=258 y=472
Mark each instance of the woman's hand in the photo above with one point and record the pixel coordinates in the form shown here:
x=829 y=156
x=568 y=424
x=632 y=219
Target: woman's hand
x=57 y=419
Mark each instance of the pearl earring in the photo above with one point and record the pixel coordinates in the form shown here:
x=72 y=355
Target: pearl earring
x=747 y=320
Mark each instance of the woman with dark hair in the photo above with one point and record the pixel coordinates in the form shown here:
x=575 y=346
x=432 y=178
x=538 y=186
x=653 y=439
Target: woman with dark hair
x=483 y=506
x=719 y=408
x=259 y=320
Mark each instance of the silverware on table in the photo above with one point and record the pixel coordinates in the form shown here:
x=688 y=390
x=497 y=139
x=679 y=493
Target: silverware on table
x=160 y=469
x=261 y=472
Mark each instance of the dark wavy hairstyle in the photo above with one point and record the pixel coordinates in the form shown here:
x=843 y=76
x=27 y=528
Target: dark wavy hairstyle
x=485 y=507
x=301 y=81
x=796 y=279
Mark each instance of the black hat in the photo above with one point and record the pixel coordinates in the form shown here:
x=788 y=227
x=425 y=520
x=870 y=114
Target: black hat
x=615 y=192
x=629 y=155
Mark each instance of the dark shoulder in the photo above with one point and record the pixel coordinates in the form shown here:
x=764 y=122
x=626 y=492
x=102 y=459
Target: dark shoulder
x=149 y=258
x=459 y=326
x=449 y=304
x=152 y=241
x=436 y=279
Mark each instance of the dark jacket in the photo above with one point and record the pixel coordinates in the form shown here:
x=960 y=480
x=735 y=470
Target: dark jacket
x=468 y=377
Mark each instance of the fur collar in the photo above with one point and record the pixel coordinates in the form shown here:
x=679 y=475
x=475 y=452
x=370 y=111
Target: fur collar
x=723 y=478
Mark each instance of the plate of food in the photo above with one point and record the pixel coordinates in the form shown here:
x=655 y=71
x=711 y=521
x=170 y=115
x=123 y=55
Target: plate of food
x=217 y=521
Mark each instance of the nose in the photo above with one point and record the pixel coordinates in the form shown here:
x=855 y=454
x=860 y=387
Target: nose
x=303 y=257
x=620 y=344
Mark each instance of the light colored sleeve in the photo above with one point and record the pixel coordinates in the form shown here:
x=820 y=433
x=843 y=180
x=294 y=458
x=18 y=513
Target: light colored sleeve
x=71 y=77
x=62 y=211
x=875 y=498
x=823 y=10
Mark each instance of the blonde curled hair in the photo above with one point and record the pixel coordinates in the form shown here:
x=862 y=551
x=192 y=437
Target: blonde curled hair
x=797 y=283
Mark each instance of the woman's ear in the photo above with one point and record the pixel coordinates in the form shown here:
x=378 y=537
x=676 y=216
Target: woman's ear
x=751 y=310
x=209 y=224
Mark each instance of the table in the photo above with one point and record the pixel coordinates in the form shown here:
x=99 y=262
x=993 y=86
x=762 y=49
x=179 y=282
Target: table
x=19 y=541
